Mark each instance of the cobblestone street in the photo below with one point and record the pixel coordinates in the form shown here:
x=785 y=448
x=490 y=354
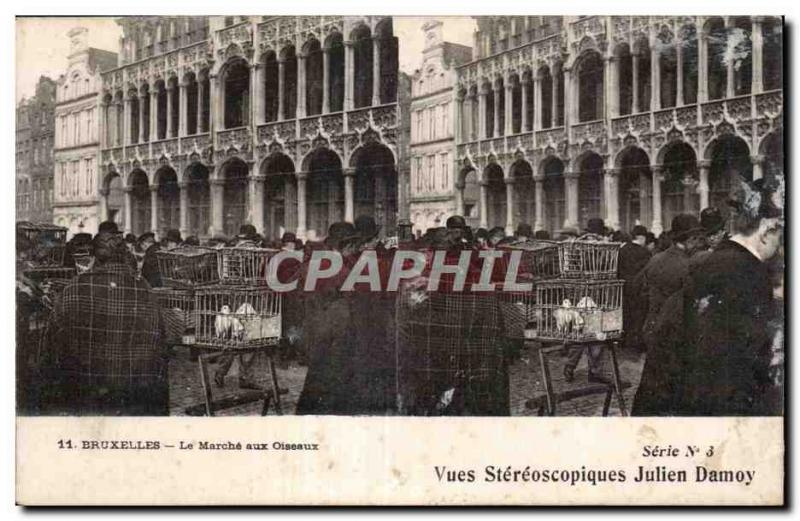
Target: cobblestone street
x=525 y=374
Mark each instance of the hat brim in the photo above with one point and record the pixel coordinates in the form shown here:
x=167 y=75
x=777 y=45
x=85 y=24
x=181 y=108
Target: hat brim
x=688 y=234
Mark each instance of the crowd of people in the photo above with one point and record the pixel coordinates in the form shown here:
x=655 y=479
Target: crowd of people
x=702 y=301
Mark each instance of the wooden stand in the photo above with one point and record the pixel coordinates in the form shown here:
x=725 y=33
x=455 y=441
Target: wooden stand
x=209 y=407
x=551 y=399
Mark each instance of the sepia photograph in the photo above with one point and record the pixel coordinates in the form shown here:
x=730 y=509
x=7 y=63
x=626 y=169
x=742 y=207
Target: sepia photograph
x=401 y=216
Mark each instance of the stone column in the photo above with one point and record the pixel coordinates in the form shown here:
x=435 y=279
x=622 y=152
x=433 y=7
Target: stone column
x=482 y=131
x=154 y=114
x=459 y=193
x=281 y=88
x=524 y=92
x=457 y=118
x=348 y=75
x=217 y=205
x=537 y=103
x=183 y=188
x=128 y=209
x=612 y=197
x=610 y=89
x=170 y=101
x=183 y=111
x=349 y=202
x=484 y=204
x=496 y=127
x=326 y=103
x=538 y=180
x=257 y=88
x=704 y=168
x=142 y=118
x=757 y=85
x=702 y=67
x=301 y=86
x=126 y=118
x=730 y=72
x=103 y=203
x=301 y=204
x=103 y=126
x=509 y=205
x=655 y=80
x=658 y=177
x=758 y=166
x=679 y=90
x=635 y=74
x=154 y=208
x=376 y=71
x=257 y=201
x=509 y=104
x=571 y=180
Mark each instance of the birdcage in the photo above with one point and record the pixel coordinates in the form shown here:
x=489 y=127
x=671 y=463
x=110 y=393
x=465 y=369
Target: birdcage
x=47 y=243
x=449 y=352
x=578 y=310
x=231 y=317
x=244 y=265
x=188 y=267
x=177 y=308
x=540 y=259
x=582 y=259
x=519 y=313
x=47 y=273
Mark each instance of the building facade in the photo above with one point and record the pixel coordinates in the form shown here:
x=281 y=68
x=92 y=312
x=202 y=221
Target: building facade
x=287 y=123
x=432 y=144
x=633 y=119
x=34 y=156
x=76 y=156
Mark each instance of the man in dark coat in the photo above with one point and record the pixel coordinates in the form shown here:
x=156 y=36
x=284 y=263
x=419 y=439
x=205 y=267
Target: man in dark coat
x=104 y=354
x=147 y=249
x=715 y=346
x=633 y=257
x=713 y=224
x=666 y=273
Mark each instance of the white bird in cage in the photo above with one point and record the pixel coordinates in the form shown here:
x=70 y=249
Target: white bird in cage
x=586 y=302
x=564 y=316
x=223 y=322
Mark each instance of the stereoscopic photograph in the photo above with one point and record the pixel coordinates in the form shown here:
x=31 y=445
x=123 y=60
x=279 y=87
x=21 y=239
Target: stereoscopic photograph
x=389 y=216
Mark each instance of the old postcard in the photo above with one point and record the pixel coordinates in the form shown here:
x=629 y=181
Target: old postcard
x=396 y=260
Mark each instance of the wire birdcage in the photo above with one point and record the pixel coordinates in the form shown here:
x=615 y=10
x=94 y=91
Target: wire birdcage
x=520 y=313
x=230 y=317
x=177 y=308
x=582 y=259
x=449 y=350
x=540 y=259
x=188 y=267
x=578 y=310
x=244 y=265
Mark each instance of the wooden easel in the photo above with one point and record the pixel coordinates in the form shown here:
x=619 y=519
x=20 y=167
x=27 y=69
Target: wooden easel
x=550 y=400
x=209 y=406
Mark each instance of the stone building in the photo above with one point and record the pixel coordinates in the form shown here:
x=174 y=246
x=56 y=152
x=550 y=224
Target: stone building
x=629 y=118
x=77 y=140
x=432 y=145
x=287 y=123
x=34 y=155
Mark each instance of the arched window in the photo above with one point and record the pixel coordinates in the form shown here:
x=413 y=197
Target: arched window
x=490 y=130
x=335 y=72
x=546 y=86
x=237 y=94
x=362 y=50
x=199 y=193
x=643 y=83
x=668 y=69
x=624 y=78
x=717 y=42
x=161 y=127
x=191 y=101
x=590 y=87
x=496 y=196
x=235 y=196
x=289 y=82
x=313 y=78
x=388 y=56
x=271 y=72
x=772 y=63
x=554 y=194
x=689 y=60
x=516 y=105
x=678 y=191
x=742 y=44
x=590 y=189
